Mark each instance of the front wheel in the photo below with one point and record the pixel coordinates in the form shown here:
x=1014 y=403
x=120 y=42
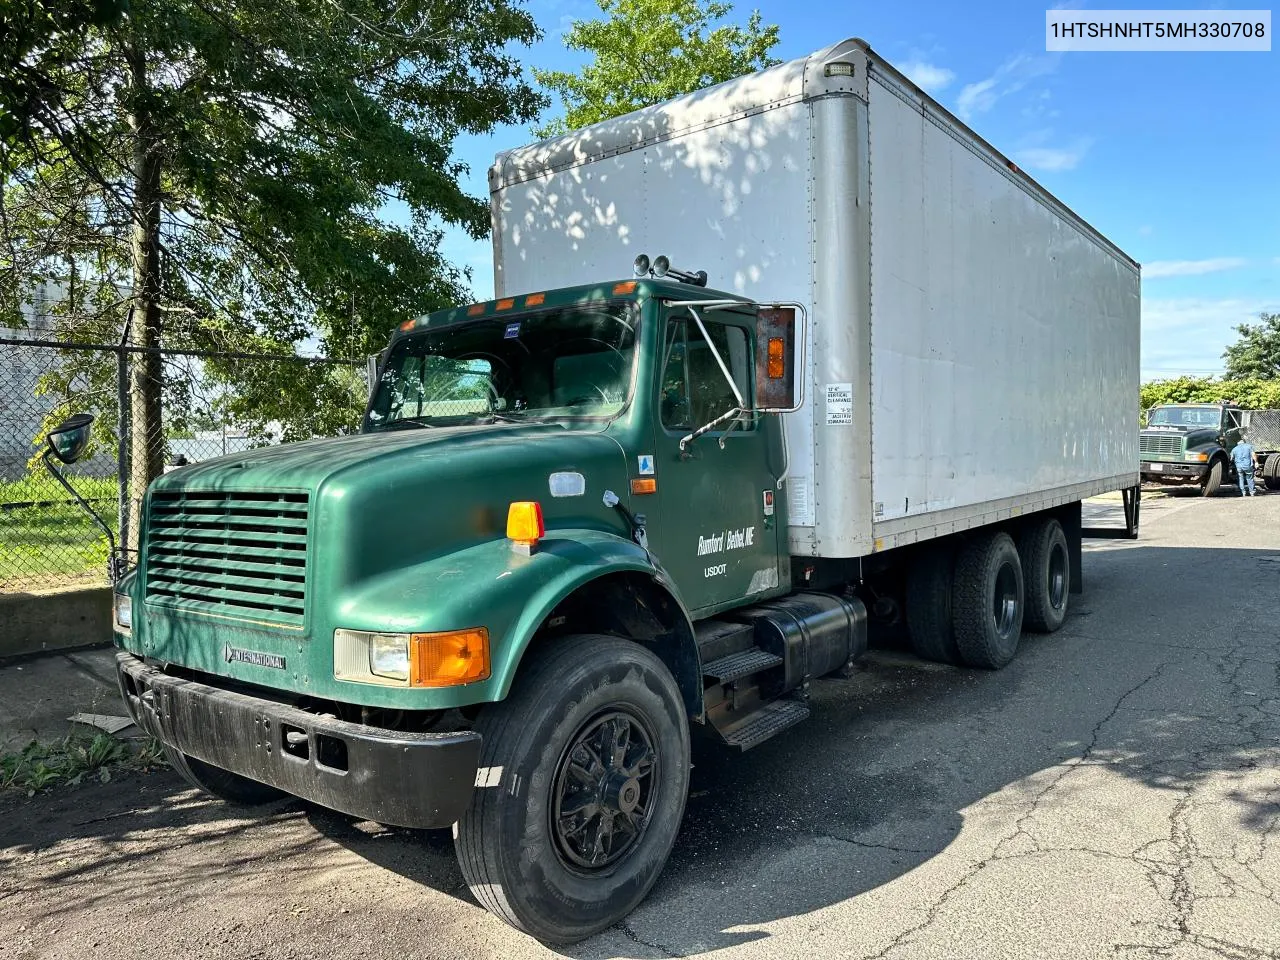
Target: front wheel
x=220 y=783
x=1212 y=480
x=582 y=784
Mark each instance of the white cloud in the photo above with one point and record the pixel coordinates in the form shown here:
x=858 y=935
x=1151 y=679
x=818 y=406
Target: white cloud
x=930 y=76
x=1053 y=159
x=1190 y=268
x=1187 y=335
x=1010 y=77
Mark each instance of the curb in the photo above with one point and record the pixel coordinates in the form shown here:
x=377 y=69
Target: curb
x=50 y=620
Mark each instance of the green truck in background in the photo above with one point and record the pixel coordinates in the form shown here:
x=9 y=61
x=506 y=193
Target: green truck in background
x=589 y=519
x=1191 y=443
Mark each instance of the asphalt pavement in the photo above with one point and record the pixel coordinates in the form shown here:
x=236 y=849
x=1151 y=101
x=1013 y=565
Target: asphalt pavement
x=1115 y=792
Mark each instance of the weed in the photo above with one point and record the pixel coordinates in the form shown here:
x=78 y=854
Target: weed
x=38 y=766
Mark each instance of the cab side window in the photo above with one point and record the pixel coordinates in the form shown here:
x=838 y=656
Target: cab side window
x=694 y=391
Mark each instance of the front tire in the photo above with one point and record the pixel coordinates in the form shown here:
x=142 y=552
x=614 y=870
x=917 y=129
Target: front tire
x=1212 y=480
x=222 y=784
x=988 y=601
x=1046 y=567
x=585 y=769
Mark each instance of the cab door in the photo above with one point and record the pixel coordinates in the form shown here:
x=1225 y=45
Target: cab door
x=712 y=523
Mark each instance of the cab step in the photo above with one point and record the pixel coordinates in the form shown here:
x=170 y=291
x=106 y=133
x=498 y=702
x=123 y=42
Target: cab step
x=718 y=639
x=763 y=723
x=738 y=665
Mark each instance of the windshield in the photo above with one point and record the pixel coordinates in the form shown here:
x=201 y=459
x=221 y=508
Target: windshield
x=1185 y=417
x=571 y=362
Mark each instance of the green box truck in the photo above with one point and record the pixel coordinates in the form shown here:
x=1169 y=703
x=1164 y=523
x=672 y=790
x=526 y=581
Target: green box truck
x=598 y=515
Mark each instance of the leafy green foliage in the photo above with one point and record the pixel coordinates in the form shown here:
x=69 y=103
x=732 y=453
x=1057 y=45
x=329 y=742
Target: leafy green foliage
x=38 y=766
x=228 y=167
x=1252 y=394
x=1257 y=353
x=647 y=51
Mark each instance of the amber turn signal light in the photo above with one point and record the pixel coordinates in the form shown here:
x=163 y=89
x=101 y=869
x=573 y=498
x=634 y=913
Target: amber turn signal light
x=777 y=358
x=524 y=522
x=448 y=659
x=644 y=485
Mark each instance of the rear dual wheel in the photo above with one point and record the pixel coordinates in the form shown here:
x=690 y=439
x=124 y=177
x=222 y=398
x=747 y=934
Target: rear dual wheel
x=988 y=601
x=969 y=605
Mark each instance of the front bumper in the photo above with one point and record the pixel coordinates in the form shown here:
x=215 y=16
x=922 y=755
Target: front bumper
x=420 y=780
x=1169 y=471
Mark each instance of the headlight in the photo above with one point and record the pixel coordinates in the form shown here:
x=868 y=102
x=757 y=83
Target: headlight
x=1195 y=457
x=389 y=655
x=122 y=613
x=412 y=659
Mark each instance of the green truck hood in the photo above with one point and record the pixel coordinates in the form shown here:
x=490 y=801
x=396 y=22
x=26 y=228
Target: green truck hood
x=385 y=502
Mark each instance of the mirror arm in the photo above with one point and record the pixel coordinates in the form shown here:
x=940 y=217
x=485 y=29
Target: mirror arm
x=707 y=428
x=93 y=514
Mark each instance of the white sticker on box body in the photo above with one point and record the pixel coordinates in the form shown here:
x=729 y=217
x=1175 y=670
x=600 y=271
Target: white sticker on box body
x=800 y=501
x=840 y=404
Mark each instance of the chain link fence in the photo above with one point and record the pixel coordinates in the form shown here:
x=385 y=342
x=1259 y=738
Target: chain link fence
x=210 y=404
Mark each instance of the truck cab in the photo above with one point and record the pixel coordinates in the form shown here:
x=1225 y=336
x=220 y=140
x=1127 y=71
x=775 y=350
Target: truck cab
x=1190 y=443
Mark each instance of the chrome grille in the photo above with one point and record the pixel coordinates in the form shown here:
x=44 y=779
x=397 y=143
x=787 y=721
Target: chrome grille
x=238 y=554
x=1160 y=446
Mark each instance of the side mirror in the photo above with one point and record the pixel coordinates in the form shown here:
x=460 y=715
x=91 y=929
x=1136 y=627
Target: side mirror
x=68 y=440
x=776 y=359
x=373 y=363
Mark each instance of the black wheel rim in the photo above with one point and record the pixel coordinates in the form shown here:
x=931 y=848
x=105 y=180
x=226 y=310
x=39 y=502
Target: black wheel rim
x=603 y=791
x=1005 y=606
x=1058 y=576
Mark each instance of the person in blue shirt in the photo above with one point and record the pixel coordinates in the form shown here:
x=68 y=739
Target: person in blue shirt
x=1246 y=461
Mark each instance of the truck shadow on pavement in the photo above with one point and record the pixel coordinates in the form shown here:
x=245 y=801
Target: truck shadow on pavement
x=909 y=780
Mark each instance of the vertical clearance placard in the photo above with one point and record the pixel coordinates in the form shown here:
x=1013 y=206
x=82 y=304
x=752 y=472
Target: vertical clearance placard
x=839 y=404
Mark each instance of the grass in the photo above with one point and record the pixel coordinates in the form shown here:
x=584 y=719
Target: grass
x=41 y=766
x=51 y=545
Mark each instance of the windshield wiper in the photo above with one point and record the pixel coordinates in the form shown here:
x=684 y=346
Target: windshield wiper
x=399 y=422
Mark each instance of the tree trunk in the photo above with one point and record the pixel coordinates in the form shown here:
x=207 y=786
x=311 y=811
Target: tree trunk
x=146 y=431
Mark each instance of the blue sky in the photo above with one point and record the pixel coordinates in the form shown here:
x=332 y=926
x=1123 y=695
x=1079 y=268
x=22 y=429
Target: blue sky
x=1174 y=156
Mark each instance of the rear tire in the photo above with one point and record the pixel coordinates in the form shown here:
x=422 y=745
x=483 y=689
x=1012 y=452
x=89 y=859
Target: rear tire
x=1212 y=480
x=564 y=876
x=929 y=606
x=988 y=601
x=222 y=784
x=1046 y=570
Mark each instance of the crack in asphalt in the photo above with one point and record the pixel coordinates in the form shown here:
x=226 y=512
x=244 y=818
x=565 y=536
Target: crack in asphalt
x=626 y=930
x=1180 y=893
x=877 y=846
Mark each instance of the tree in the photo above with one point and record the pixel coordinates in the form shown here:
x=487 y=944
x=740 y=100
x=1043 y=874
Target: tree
x=647 y=51
x=219 y=170
x=1257 y=353
x=1251 y=394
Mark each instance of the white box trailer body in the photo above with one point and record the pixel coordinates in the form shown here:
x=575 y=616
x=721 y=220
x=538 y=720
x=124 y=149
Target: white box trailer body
x=973 y=345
